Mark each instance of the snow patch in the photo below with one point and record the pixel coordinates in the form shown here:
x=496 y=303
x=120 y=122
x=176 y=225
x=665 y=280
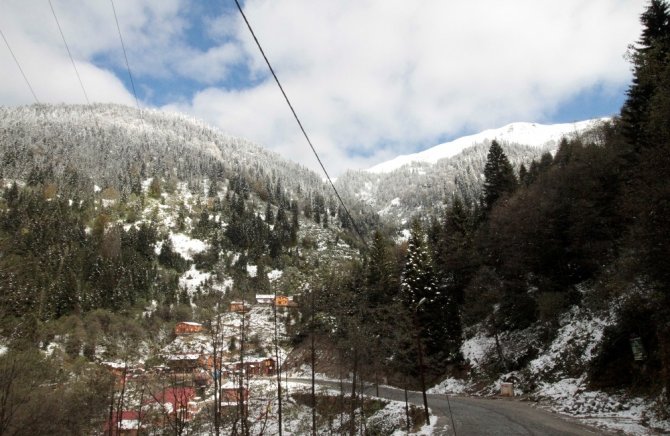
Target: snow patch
x=476 y=348
x=275 y=274
x=450 y=386
x=192 y=279
x=187 y=246
x=252 y=270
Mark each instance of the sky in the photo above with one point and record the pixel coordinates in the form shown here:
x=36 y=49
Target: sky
x=369 y=79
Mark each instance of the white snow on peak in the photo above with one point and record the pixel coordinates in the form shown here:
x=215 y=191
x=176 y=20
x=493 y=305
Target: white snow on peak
x=532 y=134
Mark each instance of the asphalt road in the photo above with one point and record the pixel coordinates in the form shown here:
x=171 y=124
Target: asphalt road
x=481 y=416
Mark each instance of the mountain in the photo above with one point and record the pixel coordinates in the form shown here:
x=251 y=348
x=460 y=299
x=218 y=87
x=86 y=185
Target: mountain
x=420 y=183
x=118 y=147
x=533 y=134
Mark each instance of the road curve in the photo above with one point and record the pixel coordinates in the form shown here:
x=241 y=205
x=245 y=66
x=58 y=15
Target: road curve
x=480 y=416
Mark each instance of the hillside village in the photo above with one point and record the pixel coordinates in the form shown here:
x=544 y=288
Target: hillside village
x=175 y=393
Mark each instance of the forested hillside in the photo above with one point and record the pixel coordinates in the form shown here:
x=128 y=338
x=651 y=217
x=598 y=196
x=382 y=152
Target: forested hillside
x=118 y=228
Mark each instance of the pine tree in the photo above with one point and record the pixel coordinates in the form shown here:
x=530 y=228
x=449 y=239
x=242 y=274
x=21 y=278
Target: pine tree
x=650 y=58
x=499 y=177
x=418 y=280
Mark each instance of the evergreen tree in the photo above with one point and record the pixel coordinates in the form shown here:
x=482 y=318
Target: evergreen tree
x=381 y=277
x=418 y=279
x=499 y=178
x=650 y=59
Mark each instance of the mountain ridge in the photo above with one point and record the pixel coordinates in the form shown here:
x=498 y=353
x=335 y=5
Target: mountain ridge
x=525 y=133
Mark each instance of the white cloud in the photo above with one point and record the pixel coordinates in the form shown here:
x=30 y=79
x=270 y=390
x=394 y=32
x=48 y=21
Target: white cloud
x=370 y=79
x=374 y=78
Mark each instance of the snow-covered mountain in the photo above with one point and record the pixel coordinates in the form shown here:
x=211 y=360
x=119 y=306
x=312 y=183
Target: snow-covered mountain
x=532 y=134
x=419 y=183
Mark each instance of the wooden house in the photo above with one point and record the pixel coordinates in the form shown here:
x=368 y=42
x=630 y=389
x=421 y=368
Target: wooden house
x=189 y=362
x=187 y=328
x=175 y=402
x=256 y=367
x=285 y=301
x=239 y=306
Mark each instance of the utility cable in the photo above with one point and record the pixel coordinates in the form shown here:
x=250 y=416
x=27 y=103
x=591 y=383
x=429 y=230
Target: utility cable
x=125 y=55
x=16 y=61
x=258 y=44
x=69 y=53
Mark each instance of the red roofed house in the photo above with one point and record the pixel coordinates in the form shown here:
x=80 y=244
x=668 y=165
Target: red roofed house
x=187 y=328
x=176 y=402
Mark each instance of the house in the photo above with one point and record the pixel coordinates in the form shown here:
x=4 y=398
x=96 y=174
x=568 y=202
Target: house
x=281 y=301
x=264 y=299
x=256 y=367
x=187 y=328
x=128 y=422
x=285 y=301
x=183 y=362
x=175 y=402
x=239 y=306
x=189 y=362
x=122 y=372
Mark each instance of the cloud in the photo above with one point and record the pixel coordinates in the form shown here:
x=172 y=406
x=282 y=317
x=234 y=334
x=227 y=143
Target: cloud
x=370 y=79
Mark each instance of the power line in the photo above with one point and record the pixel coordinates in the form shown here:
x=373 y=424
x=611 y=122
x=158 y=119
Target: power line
x=125 y=55
x=16 y=61
x=295 y=115
x=69 y=53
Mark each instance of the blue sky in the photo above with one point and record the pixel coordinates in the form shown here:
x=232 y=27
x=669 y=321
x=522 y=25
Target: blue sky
x=370 y=79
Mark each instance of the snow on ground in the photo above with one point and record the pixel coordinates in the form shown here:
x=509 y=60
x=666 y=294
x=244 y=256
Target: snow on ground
x=192 y=279
x=608 y=411
x=252 y=270
x=275 y=274
x=578 y=336
x=187 y=246
x=450 y=386
x=393 y=203
x=476 y=348
x=532 y=134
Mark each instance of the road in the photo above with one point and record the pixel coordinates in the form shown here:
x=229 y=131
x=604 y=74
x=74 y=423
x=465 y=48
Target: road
x=480 y=416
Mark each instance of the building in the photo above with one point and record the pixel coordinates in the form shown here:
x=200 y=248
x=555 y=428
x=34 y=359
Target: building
x=285 y=301
x=239 y=306
x=175 y=402
x=263 y=367
x=187 y=328
x=189 y=362
x=264 y=299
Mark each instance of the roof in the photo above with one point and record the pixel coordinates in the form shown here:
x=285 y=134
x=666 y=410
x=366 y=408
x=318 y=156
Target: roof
x=174 y=396
x=185 y=356
x=195 y=324
x=119 y=365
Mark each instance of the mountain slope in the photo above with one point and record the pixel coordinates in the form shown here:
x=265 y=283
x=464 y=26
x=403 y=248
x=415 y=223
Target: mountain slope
x=533 y=134
x=420 y=183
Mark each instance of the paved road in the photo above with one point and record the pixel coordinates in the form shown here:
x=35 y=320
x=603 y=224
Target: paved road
x=482 y=416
